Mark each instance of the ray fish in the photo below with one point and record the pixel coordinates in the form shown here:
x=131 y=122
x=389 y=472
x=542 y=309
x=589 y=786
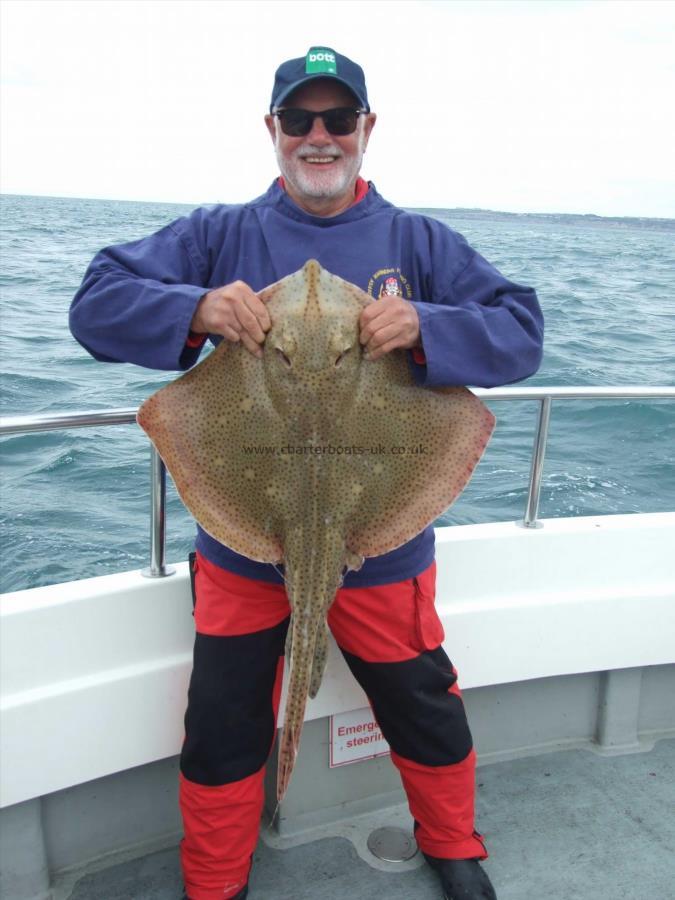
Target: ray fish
x=313 y=456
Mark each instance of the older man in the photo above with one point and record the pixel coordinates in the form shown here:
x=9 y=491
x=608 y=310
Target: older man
x=154 y=302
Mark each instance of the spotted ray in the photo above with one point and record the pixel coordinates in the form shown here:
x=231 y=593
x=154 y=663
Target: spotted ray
x=313 y=457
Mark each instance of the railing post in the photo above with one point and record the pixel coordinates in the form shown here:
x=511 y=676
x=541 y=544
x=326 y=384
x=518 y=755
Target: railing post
x=538 y=451
x=157 y=569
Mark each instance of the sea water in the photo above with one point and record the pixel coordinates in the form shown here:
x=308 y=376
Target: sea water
x=75 y=503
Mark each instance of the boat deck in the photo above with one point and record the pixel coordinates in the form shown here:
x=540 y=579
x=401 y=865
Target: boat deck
x=566 y=825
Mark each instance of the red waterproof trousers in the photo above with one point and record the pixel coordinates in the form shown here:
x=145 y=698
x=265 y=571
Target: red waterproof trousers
x=390 y=636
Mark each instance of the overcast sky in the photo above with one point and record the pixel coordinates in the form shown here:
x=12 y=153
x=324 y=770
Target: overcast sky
x=523 y=106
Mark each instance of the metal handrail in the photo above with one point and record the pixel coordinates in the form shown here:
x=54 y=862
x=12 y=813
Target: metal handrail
x=57 y=421
x=127 y=416
x=545 y=396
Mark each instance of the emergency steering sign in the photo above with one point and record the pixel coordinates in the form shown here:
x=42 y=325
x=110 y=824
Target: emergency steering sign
x=355 y=736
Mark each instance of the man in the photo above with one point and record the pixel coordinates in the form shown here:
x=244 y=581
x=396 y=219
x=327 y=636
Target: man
x=154 y=301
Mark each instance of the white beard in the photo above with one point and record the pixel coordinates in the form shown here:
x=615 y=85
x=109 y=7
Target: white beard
x=316 y=182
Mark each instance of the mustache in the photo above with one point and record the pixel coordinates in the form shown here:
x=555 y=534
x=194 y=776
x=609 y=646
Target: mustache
x=310 y=150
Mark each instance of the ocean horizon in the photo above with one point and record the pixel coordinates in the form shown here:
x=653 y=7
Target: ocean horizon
x=464 y=210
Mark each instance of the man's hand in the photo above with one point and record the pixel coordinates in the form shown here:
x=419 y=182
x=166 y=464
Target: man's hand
x=236 y=312
x=387 y=324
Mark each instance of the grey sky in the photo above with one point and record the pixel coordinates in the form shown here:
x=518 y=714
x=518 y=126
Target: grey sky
x=524 y=106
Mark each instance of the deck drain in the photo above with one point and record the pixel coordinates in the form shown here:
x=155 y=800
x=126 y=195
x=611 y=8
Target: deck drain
x=392 y=844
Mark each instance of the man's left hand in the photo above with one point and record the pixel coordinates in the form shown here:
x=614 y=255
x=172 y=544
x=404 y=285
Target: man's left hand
x=388 y=324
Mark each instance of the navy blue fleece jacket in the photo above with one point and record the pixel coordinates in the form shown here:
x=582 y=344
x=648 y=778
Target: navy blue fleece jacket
x=478 y=328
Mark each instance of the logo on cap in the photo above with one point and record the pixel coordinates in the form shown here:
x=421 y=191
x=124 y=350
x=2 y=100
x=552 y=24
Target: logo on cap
x=320 y=60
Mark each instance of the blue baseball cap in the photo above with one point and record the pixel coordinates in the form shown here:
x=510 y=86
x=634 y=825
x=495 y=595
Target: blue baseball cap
x=320 y=62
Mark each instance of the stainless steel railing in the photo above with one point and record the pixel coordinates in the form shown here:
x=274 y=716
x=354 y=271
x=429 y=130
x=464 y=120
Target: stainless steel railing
x=61 y=421
x=544 y=395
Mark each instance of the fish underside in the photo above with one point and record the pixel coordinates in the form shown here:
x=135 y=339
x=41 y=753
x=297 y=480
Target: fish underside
x=314 y=457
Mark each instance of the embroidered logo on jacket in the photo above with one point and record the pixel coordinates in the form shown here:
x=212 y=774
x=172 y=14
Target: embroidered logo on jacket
x=389 y=283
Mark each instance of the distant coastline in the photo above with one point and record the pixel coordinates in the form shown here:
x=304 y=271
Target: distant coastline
x=557 y=218
x=459 y=211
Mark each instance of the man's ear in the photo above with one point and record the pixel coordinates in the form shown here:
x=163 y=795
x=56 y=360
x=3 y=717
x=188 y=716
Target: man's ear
x=271 y=127
x=371 y=118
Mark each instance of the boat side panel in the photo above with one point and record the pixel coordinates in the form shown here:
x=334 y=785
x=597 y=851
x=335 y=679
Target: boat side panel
x=102 y=666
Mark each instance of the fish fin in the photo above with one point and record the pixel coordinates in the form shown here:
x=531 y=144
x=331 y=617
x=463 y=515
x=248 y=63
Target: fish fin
x=353 y=561
x=224 y=489
x=444 y=432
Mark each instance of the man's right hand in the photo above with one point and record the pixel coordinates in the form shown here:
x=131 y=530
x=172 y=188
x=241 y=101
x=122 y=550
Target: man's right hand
x=235 y=312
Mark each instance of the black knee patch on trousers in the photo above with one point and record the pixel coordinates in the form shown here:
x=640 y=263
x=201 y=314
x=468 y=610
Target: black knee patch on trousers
x=420 y=720
x=229 y=723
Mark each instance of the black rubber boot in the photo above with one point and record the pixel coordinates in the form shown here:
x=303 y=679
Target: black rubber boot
x=462 y=879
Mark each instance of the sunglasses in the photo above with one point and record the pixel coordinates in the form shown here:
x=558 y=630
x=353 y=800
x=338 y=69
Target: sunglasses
x=298 y=122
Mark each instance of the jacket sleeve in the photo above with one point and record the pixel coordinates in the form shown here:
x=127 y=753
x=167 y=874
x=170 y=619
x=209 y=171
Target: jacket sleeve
x=479 y=328
x=136 y=300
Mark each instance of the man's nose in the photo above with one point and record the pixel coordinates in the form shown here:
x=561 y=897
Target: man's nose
x=318 y=134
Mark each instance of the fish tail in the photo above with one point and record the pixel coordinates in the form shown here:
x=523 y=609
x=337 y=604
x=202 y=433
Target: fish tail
x=319 y=662
x=288 y=752
x=289 y=743
x=314 y=558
